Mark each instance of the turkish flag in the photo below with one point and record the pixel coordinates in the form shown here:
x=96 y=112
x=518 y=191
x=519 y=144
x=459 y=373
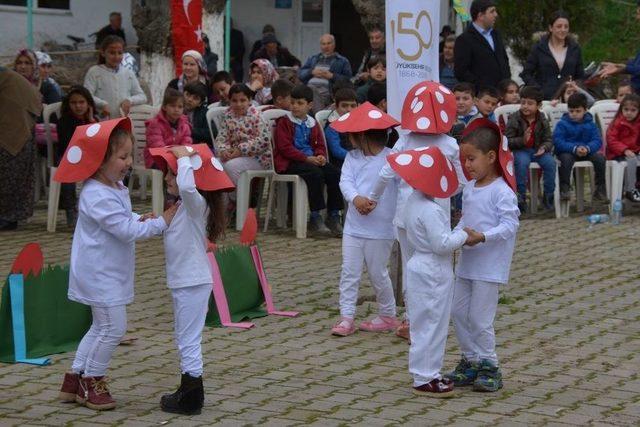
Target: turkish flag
x=186 y=29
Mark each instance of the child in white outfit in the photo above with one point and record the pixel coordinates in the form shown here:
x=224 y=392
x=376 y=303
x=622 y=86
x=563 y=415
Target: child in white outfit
x=101 y=270
x=366 y=239
x=199 y=218
x=429 y=285
x=489 y=205
x=433 y=135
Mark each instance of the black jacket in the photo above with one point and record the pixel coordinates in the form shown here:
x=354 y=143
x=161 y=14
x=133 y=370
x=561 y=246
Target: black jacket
x=476 y=62
x=283 y=57
x=541 y=68
x=199 y=127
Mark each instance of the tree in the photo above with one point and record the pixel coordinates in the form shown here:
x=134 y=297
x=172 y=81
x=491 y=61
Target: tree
x=520 y=20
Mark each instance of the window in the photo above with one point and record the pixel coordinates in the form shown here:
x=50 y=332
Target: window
x=41 y=4
x=312 y=10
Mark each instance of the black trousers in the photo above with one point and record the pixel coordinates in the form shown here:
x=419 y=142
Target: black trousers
x=566 y=164
x=316 y=177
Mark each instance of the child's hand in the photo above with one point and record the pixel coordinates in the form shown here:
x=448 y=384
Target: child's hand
x=473 y=237
x=363 y=205
x=89 y=115
x=106 y=112
x=125 y=106
x=540 y=152
x=147 y=216
x=629 y=154
x=170 y=213
x=322 y=160
x=582 y=151
x=182 y=151
x=313 y=160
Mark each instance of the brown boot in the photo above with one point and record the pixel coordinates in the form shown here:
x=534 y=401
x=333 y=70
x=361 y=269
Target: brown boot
x=69 y=387
x=94 y=394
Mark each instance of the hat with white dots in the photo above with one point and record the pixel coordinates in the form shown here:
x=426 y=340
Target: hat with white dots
x=366 y=117
x=427 y=170
x=429 y=107
x=207 y=169
x=505 y=156
x=86 y=150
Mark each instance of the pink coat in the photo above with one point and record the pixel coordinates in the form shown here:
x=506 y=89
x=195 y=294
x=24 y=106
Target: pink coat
x=160 y=133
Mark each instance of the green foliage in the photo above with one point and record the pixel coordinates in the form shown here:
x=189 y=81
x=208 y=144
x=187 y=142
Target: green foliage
x=606 y=29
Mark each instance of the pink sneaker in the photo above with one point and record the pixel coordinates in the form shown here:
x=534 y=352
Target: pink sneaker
x=344 y=327
x=380 y=324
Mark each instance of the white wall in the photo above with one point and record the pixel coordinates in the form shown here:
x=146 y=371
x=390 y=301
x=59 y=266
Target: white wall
x=83 y=18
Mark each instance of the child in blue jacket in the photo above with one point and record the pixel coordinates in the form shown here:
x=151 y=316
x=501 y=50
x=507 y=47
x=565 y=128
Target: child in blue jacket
x=577 y=138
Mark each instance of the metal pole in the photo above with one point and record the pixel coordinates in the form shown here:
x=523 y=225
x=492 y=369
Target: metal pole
x=227 y=36
x=30 y=24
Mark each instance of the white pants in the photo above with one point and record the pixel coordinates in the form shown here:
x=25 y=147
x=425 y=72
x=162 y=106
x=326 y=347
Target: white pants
x=429 y=295
x=406 y=252
x=474 y=309
x=235 y=167
x=98 y=344
x=190 y=310
x=374 y=253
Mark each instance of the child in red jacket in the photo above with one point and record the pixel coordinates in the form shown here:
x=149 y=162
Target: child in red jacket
x=623 y=142
x=169 y=127
x=300 y=150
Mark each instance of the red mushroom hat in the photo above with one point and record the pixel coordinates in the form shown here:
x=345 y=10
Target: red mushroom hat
x=366 y=117
x=426 y=169
x=86 y=150
x=505 y=156
x=208 y=172
x=429 y=107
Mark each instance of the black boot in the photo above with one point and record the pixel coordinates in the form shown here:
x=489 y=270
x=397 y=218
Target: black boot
x=548 y=201
x=187 y=400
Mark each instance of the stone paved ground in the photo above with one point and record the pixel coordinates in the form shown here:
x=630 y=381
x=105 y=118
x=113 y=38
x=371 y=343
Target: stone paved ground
x=567 y=334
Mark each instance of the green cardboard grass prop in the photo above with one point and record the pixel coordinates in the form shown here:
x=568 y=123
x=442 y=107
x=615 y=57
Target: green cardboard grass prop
x=240 y=286
x=36 y=317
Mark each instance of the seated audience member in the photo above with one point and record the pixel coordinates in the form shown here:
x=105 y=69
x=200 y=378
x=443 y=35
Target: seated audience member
x=195 y=107
x=244 y=138
x=508 y=92
x=221 y=83
x=377 y=71
x=576 y=138
x=567 y=89
x=529 y=136
x=487 y=102
x=447 y=75
x=338 y=143
x=465 y=108
x=281 y=94
x=624 y=89
x=623 y=142
x=169 y=127
x=262 y=75
x=278 y=55
x=300 y=150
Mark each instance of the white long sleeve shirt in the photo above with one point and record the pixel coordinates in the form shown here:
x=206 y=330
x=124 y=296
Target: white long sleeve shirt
x=103 y=251
x=431 y=238
x=492 y=210
x=411 y=141
x=185 y=241
x=359 y=174
x=111 y=87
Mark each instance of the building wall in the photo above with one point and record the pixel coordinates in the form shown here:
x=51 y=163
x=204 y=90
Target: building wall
x=83 y=18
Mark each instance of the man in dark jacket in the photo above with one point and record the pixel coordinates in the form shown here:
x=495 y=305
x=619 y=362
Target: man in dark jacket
x=273 y=52
x=113 y=29
x=480 y=55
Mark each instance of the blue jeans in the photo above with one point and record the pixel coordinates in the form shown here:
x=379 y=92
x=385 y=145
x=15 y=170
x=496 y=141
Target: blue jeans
x=522 y=159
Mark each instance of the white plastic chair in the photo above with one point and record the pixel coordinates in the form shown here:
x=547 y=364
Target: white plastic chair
x=42 y=164
x=214 y=115
x=213 y=105
x=138 y=115
x=54 y=187
x=504 y=111
x=279 y=182
x=322 y=116
x=554 y=114
x=605 y=101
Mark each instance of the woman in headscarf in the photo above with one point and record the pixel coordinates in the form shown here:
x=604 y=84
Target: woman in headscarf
x=26 y=64
x=261 y=76
x=20 y=105
x=193 y=69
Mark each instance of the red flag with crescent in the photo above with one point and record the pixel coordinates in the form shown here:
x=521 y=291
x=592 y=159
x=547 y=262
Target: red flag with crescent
x=186 y=29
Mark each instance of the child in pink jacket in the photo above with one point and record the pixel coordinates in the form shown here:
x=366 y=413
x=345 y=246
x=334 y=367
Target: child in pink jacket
x=169 y=127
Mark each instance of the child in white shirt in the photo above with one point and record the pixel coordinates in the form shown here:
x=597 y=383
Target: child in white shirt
x=101 y=270
x=195 y=179
x=429 y=285
x=366 y=239
x=489 y=205
x=428 y=127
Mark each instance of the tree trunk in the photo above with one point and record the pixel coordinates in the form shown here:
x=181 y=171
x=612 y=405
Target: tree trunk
x=371 y=12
